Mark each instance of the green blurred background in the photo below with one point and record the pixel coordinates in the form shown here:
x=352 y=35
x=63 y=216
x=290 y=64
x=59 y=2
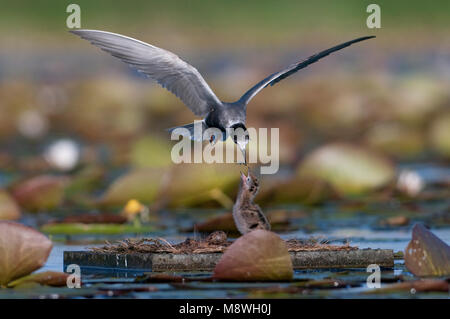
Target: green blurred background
x=389 y=94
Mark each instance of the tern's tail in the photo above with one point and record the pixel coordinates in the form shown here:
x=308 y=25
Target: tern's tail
x=193 y=130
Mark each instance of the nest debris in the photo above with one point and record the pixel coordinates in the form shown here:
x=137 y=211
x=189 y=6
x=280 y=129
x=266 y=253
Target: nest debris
x=216 y=242
x=315 y=245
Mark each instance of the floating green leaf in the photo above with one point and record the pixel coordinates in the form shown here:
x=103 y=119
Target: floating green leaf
x=95 y=229
x=193 y=185
x=141 y=184
x=351 y=170
x=150 y=151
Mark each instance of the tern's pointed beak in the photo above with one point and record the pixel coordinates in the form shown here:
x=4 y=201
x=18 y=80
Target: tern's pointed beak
x=244 y=153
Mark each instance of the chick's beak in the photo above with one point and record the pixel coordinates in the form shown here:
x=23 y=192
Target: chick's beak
x=243 y=177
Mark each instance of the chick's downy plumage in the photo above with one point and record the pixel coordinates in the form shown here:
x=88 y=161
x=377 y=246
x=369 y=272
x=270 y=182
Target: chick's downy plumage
x=247 y=215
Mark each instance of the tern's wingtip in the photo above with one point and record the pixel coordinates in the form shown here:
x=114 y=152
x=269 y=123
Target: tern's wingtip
x=81 y=31
x=76 y=31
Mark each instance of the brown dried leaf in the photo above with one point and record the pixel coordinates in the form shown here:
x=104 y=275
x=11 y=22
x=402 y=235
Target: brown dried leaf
x=104 y=218
x=202 y=185
x=426 y=254
x=41 y=192
x=160 y=278
x=423 y=285
x=48 y=278
x=225 y=222
x=395 y=221
x=22 y=251
x=308 y=190
x=257 y=256
x=9 y=210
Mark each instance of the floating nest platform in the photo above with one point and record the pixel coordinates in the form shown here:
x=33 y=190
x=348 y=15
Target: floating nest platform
x=156 y=254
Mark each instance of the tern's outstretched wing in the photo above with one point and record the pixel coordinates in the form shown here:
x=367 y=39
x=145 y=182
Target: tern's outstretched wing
x=278 y=76
x=174 y=74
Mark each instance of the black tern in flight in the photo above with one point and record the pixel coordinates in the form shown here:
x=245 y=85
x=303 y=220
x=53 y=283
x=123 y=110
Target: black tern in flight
x=183 y=80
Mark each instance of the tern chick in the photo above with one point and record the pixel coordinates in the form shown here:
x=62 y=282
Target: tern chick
x=247 y=215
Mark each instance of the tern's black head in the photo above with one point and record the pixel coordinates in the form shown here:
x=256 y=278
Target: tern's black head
x=239 y=133
x=240 y=136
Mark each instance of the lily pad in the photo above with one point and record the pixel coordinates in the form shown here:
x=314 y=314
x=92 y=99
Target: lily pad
x=40 y=193
x=141 y=184
x=257 y=256
x=150 y=151
x=350 y=169
x=413 y=286
x=426 y=254
x=194 y=185
x=416 y=98
x=88 y=179
x=440 y=135
x=22 y=251
x=179 y=186
x=102 y=218
x=305 y=190
x=396 y=140
x=47 y=278
x=95 y=229
x=104 y=95
x=225 y=222
x=9 y=210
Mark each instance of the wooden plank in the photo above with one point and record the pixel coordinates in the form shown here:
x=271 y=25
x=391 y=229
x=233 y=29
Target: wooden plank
x=359 y=258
